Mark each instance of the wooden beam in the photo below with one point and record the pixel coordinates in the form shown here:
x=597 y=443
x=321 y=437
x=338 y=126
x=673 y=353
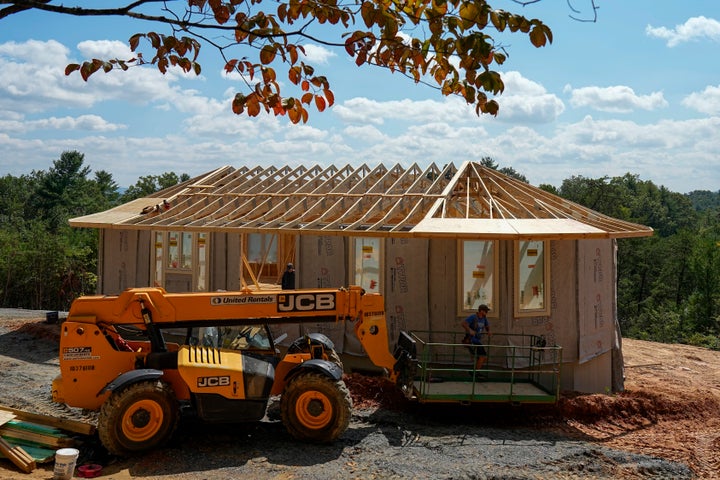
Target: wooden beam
x=73 y=426
x=18 y=456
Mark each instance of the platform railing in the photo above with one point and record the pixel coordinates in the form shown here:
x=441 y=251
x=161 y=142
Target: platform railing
x=514 y=362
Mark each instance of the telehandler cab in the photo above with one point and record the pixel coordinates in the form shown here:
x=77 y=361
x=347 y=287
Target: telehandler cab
x=140 y=356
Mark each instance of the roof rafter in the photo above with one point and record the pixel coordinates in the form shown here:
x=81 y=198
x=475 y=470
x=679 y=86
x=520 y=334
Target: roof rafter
x=471 y=201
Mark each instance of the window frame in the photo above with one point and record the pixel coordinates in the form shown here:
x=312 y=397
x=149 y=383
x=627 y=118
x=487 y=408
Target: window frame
x=354 y=271
x=492 y=301
x=543 y=290
x=199 y=253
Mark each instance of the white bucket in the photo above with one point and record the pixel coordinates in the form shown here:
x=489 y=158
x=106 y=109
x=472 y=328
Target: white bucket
x=65 y=460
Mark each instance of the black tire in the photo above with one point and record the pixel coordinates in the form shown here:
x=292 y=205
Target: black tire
x=335 y=358
x=315 y=407
x=140 y=417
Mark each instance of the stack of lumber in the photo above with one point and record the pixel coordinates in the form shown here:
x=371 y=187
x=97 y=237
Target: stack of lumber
x=27 y=438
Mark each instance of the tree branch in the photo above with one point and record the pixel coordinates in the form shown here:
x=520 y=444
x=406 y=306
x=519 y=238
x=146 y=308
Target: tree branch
x=595 y=8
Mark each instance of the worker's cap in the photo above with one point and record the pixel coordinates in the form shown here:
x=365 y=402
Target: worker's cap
x=484 y=308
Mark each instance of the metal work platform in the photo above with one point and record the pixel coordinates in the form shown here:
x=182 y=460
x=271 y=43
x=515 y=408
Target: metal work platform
x=519 y=369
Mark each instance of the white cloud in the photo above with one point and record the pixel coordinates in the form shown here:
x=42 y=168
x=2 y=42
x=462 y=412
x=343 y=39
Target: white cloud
x=33 y=81
x=524 y=101
x=528 y=102
x=365 y=111
x=694 y=29
x=365 y=133
x=679 y=154
x=530 y=109
x=617 y=99
x=83 y=122
x=517 y=84
x=707 y=101
x=317 y=54
x=104 y=50
x=304 y=133
x=34 y=50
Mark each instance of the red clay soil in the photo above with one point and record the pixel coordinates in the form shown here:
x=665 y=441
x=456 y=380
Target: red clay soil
x=670 y=407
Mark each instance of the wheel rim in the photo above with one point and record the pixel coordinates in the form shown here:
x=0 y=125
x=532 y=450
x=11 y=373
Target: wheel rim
x=314 y=410
x=142 y=420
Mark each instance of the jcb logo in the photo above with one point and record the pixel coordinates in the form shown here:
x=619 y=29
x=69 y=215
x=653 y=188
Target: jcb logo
x=213 y=382
x=306 y=302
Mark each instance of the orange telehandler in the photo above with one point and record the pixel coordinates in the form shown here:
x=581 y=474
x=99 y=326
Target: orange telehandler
x=142 y=356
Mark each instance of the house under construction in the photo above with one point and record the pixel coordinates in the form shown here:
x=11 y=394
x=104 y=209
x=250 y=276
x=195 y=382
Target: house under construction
x=436 y=242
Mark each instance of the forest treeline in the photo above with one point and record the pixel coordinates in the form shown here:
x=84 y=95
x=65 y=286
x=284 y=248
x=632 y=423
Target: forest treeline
x=668 y=284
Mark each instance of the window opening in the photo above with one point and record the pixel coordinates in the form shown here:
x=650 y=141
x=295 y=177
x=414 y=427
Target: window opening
x=532 y=270
x=367 y=264
x=479 y=276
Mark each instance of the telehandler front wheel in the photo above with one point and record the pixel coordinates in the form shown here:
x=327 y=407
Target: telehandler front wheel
x=140 y=417
x=315 y=407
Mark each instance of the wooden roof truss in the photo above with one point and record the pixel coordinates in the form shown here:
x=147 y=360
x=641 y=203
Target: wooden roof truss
x=364 y=200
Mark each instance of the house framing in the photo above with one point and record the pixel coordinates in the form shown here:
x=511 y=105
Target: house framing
x=435 y=241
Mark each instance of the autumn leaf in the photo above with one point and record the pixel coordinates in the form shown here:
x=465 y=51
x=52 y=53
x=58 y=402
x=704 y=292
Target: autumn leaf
x=329 y=96
x=453 y=45
x=267 y=54
x=537 y=37
x=71 y=68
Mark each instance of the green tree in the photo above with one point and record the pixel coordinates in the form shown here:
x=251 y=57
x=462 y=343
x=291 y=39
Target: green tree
x=62 y=191
x=15 y=195
x=704 y=199
x=150 y=184
x=703 y=307
x=488 y=162
x=629 y=198
x=43 y=262
x=667 y=284
x=107 y=189
x=447 y=44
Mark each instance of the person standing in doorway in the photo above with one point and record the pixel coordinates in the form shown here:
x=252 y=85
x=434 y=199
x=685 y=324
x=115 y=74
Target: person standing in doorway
x=475 y=325
x=288 y=278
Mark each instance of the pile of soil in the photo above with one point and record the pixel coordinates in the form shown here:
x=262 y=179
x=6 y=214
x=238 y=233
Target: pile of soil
x=669 y=413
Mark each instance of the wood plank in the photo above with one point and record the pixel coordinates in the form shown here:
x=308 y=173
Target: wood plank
x=18 y=456
x=61 y=423
x=36 y=433
x=39 y=454
x=38 y=438
x=5 y=417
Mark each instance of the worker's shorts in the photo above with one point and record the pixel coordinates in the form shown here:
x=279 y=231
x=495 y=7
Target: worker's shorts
x=477 y=351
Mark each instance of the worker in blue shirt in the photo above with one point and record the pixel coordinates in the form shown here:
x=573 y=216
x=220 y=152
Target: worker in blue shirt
x=475 y=325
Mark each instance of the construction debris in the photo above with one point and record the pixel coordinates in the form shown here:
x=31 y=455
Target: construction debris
x=17 y=455
x=27 y=439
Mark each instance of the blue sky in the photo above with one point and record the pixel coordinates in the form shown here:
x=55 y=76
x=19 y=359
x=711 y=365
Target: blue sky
x=636 y=92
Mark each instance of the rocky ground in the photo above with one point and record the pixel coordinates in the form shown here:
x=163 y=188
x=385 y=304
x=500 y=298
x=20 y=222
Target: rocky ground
x=665 y=425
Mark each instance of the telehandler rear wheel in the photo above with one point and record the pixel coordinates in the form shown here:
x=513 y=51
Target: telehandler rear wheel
x=137 y=418
x=315 y=407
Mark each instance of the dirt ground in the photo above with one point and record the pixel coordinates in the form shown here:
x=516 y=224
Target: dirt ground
x=670 y=407
x=666 y=424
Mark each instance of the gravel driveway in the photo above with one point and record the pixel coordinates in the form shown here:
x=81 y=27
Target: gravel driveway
x=420 y=442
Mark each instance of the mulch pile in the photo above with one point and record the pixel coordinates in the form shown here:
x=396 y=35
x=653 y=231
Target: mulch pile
x=370 y=392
